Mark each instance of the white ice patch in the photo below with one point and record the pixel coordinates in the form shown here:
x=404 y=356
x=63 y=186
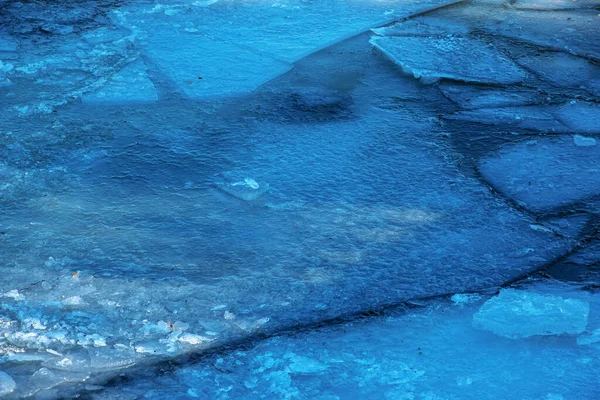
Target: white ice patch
x=247 y=189
x=516 y=314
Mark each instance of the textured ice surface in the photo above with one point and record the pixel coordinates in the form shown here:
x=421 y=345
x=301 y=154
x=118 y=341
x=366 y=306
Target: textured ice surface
x=423 y=26
x=122 y=247
x=564 y=70
x=454 y=58
x=537 y=118
x=545 y=173
x=403 y=356
x=473 y=97
x=580 y=116
x=131 y=84
x=519 y=314
x=568 y=31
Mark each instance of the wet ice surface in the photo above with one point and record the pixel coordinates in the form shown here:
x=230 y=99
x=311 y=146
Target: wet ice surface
x=174 y=181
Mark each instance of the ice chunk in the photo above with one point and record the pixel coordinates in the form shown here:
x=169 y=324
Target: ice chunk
x=247 y=189
x=544 y=174
x=7 y=384
x=517 y=314
x=131 y=84
x=460 y=59
x=583 y=141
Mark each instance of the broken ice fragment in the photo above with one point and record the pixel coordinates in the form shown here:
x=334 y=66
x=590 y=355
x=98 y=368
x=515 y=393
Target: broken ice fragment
x=460 y=59
x=7 y=384
x=583 y=141
x=248 y=189
x=516 y=314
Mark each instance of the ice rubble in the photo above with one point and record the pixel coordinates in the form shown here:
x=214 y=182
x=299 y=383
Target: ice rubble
x=430 y=59
x=517 y=314
x=546 y=173
x=401 y=356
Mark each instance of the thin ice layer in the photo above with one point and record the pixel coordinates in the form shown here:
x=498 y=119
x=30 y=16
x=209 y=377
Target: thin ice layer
x=546 y=173
x=454 y=58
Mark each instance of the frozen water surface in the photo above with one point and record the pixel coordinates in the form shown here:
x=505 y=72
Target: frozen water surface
x=225 y=190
